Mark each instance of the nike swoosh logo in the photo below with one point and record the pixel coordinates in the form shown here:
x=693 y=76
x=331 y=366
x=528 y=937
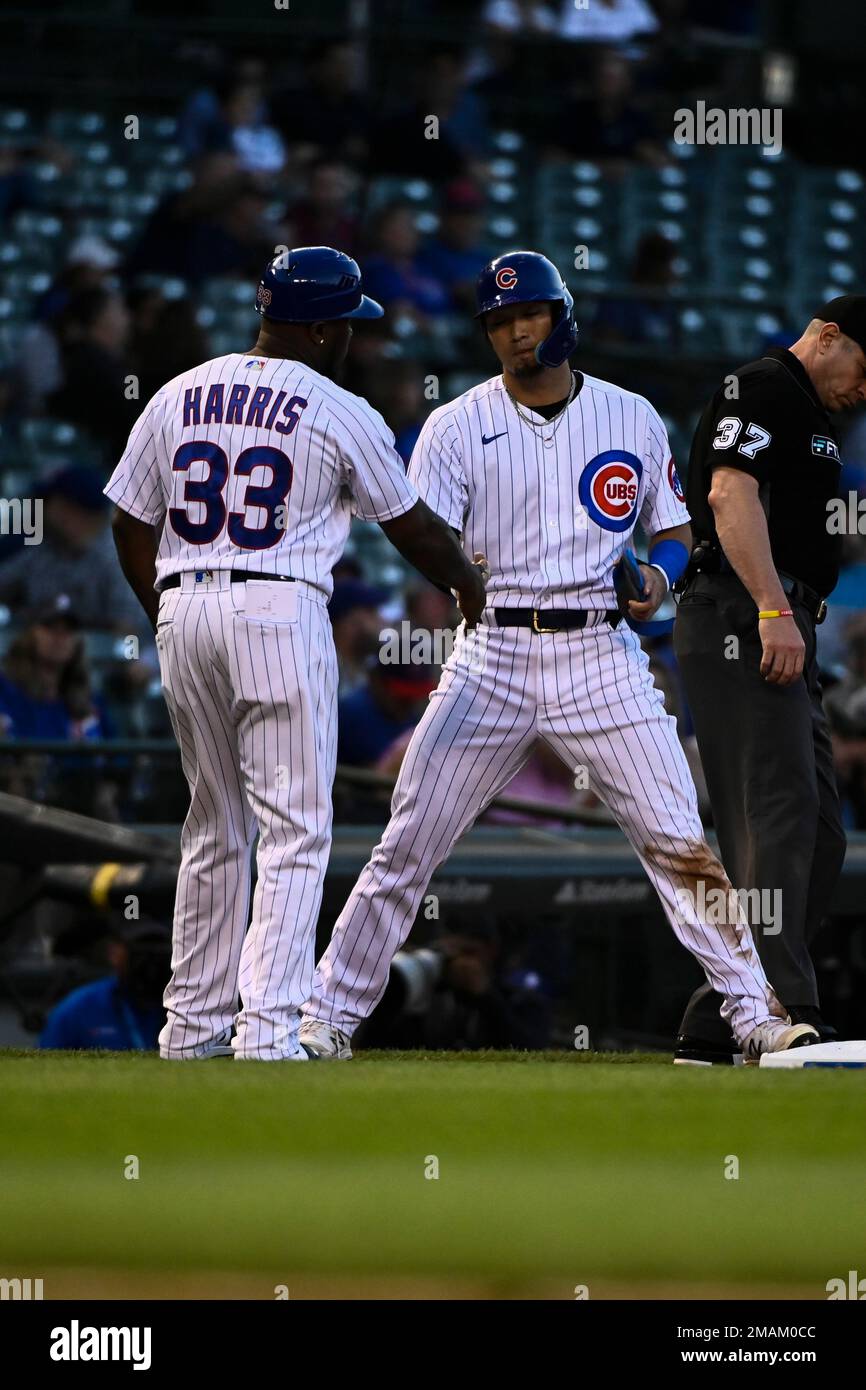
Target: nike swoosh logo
x=488 y=439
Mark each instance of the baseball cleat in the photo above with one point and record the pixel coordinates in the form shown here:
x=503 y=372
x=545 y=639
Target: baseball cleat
x=220 y=1046
x=777 y=1036
x=324 y=1040
x=699 y=1052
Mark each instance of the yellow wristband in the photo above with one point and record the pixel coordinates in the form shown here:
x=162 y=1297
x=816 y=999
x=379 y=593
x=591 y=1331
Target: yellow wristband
x=776 y=613
x=101 y=883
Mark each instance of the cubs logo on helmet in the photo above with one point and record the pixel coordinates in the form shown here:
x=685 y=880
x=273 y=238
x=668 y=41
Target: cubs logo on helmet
x=609 y=488
x=674 y=481
x=526 y=277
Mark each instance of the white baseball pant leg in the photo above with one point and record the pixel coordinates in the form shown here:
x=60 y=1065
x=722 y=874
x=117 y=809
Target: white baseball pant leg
x=604 y=712
x=213 y=884
x=479 y=728
x=569 y=688
x=253 y=704
x=285 y=683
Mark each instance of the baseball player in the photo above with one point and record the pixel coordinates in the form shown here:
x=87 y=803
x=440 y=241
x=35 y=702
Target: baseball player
x=234 y=499
x=546 y=471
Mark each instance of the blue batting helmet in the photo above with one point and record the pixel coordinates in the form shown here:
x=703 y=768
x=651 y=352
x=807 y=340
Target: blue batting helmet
x=313 y=284
x=523 y=277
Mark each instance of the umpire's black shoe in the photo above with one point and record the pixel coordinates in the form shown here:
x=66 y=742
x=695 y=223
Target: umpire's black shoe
x=698 y=1052
x=808 y=1013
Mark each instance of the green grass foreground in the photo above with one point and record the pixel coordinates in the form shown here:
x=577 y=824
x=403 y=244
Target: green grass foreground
x=559 y=1168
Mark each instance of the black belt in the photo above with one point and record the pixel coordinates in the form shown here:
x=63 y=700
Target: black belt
x=801 y=593
x=236 y=577
x=550 y=619
x=718 y=566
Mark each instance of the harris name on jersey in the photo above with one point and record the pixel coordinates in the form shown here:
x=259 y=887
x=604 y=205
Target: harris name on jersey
x=255 y=408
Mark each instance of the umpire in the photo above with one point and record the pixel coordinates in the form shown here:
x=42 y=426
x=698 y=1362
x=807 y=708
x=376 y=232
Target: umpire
x=764 y=466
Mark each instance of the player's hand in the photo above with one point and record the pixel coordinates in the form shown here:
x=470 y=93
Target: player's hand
x=784 y=650
x=473 y=596
x=481 y=561
x=656 y=591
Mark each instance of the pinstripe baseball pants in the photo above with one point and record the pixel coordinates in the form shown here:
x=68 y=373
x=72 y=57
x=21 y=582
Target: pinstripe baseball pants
x=250 y=678
x=590 y=696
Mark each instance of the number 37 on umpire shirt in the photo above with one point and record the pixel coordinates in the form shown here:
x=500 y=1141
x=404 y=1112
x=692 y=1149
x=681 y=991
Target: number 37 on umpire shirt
x=776 y=429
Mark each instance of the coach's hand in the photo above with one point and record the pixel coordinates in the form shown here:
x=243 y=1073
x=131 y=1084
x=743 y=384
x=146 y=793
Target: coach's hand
x=473 y=596
x=656 y=591
x=784 y=650
x=482 y=563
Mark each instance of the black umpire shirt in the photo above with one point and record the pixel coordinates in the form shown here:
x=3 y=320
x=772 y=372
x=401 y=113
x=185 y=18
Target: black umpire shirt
x=778 y=431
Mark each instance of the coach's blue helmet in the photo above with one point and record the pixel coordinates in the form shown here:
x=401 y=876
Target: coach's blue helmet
x=313 y=284
x=523 y=277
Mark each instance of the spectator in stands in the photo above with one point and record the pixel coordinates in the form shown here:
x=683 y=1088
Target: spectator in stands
x=76 y=557
x=45 y=687
x=374 y=715
x=122 y=1012
x=401 y=142
x=607 y=126
x=606 y=21
x=166 y=337
x=258 y=146
x=456 y=254
x=232 y=115
x=396 y=389
x=646 y=315
x=328 y=117
x=39 y=369
x=322 y=217
x=95 y=392
x=356 y=622
x=519 y=17
x=392 y=275
x=845 y=703
x=217 y=226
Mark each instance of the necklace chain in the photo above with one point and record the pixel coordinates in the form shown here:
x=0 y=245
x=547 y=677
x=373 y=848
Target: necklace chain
x=555 y=420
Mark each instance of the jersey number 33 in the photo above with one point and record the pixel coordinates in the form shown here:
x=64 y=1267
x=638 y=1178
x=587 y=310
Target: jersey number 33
x=208 y=491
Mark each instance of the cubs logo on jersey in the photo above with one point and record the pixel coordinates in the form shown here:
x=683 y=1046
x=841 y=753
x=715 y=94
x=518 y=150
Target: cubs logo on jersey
x=676 y=486
x=609 y=488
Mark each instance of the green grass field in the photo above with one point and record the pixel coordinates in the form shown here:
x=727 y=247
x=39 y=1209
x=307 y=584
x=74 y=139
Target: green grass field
x=555 y=1170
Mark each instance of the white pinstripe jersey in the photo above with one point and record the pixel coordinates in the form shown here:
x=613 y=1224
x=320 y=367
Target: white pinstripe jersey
x=258 y=463
x=552 y=518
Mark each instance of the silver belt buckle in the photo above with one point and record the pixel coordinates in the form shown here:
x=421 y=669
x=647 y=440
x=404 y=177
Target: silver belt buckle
x=821 y=612
x=536 y=628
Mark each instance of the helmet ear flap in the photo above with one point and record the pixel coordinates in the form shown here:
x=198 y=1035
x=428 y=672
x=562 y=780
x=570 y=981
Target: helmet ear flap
x=562 y=339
